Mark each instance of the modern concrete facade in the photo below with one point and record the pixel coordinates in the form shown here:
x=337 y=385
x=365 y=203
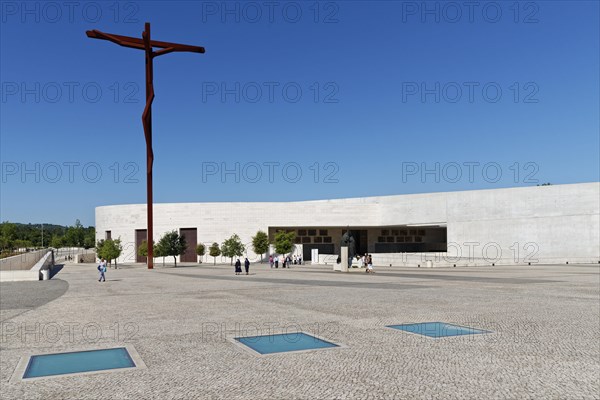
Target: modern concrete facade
x=555 y=224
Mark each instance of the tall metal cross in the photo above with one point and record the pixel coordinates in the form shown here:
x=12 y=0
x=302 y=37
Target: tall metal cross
x=147 y=45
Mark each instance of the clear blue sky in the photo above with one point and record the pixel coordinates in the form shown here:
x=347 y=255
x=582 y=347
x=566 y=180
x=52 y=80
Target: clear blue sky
x=380 y=101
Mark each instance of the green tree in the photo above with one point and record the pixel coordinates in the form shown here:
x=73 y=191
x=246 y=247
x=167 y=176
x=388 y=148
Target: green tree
x=113 y=250
x=22 y=244
x=142 y=250
x=200 y=250
x=172 y=244
x=75 y=235
x=57 y=242
x=233 y=247
x=260 y=244
x=99 y=248
x=284 y=242
x=110 y=249
x=8 y=235
x=158 y=251
x=3 y=244
x=214 y=252
x=89 y=238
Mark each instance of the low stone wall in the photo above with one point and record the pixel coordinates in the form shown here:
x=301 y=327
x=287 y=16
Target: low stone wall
x=23 y=261
x=88 y=257
x=35 y=273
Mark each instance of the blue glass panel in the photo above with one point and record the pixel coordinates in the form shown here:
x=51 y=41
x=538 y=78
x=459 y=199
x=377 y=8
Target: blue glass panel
x=80 y=361
x=297 y=341
x=438 y=329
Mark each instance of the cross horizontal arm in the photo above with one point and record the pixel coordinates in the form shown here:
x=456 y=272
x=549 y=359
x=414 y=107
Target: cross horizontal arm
x=137 y=43
x=120 y=40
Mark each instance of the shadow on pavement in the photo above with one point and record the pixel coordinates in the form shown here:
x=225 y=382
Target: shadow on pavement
x=56 y=270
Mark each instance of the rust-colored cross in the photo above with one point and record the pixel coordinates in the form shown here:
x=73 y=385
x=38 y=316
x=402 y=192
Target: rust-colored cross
x=146 y=44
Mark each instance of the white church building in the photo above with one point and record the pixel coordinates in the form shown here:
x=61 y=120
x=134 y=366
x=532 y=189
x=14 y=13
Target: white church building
x=556 y=224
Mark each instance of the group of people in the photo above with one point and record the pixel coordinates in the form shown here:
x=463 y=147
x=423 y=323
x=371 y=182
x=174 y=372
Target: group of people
x=238 y=266
x=286 y=261
x=366 y=261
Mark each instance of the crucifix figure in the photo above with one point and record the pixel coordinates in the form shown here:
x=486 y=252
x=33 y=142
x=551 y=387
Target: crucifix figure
x=146 y=44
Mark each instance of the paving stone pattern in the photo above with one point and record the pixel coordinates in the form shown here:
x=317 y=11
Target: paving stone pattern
x=545 y=342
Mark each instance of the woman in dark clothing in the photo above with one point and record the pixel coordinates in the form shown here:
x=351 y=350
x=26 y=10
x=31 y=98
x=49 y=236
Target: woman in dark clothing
x=238 y=267
x=247 y=265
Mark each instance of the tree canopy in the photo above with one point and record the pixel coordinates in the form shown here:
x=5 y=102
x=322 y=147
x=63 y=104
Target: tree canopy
x=172 y=244
x=15 y=235
x=142 y=250
x=233 y=247
x=200 y=250
x=284 y=242
x=214 y=251
x=260 y=243
x=110 y=249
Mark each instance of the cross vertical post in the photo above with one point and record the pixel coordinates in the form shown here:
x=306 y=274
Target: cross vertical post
x=147 y=122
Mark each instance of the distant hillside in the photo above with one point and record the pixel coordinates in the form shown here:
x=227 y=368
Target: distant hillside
x=16 y=235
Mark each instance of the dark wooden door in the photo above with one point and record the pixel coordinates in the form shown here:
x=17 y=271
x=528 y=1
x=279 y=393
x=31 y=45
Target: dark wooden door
x=140 y=236
x=190 y=235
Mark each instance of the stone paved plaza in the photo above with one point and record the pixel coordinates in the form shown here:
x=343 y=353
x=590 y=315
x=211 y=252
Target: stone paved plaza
x=545 y=342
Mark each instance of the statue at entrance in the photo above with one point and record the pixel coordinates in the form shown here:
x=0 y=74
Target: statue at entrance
x=348 y=241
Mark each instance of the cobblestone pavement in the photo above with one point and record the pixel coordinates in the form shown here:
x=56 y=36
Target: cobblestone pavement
x=545 y=342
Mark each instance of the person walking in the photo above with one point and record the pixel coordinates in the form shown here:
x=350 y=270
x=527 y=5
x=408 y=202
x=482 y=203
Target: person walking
x=271 y=262
x=276 y=261
x=247 y=265
x=102 y=271
x=238 y=267
x=370 y=264
x=299 y=259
